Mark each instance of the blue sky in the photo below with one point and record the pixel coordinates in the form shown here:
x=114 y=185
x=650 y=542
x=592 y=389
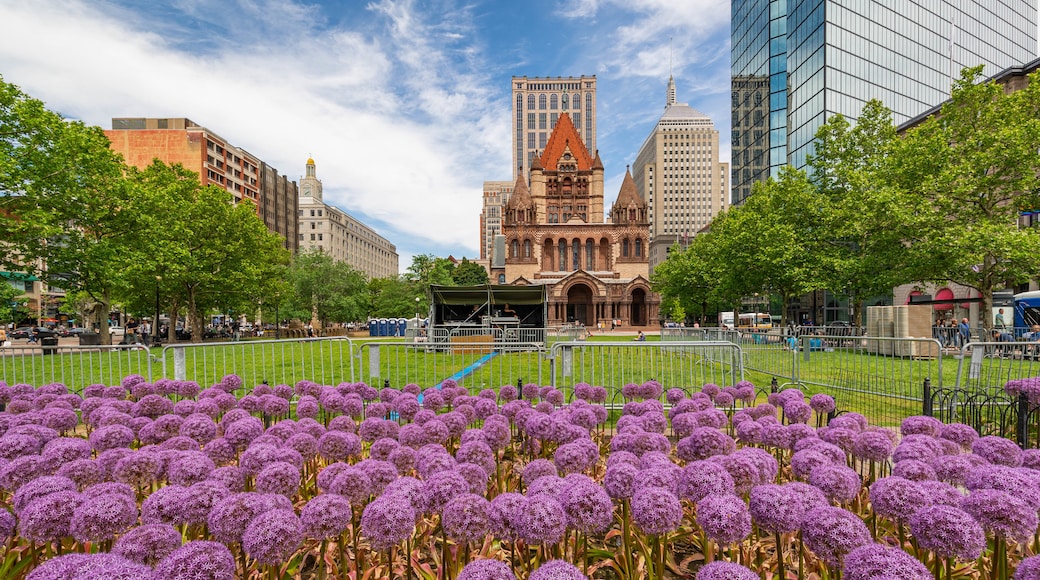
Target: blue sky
x=404 y=104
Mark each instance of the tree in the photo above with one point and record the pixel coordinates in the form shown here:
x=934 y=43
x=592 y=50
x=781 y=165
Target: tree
x=395 y=297
x=870 y=221
x=12 y=301
x=327 y=290
x=427 y=269
x=205 y=252
x=469 y=274
x=972 y=168
x=64 y=209
x=690 y=278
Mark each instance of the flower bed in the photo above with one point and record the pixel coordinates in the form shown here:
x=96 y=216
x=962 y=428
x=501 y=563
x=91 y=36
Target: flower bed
x=169 y=480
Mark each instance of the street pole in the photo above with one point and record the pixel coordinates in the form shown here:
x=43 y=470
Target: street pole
x=155 y=321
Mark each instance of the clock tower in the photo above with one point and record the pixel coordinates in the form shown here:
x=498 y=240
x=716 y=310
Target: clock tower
x=310 y=186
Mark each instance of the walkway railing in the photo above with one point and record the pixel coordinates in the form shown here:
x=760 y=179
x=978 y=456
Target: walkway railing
x=74 y=366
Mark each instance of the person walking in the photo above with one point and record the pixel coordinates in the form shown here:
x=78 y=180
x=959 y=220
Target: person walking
x=146 y=332
x=963 y=332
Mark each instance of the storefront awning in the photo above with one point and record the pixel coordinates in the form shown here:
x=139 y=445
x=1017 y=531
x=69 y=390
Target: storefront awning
x=18 y=276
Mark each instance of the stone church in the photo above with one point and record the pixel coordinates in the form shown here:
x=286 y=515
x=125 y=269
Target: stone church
x=595 y=270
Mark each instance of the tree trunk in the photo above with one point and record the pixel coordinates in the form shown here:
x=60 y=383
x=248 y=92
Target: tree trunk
x=194 y=320
x=171 y=328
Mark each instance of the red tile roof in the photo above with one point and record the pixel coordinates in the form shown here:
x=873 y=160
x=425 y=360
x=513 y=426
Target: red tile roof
x=565 y=136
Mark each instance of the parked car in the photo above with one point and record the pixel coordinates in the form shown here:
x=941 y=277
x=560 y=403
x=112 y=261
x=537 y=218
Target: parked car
x=77 y=330
x=116 y=330
x=24 y=332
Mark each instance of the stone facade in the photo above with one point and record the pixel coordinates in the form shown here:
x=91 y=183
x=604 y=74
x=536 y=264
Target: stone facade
x=555 y=234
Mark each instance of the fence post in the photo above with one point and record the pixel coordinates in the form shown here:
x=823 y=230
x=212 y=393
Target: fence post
x=520 y=388
x=927 y=396
x=773 y=387
x=1022 y=429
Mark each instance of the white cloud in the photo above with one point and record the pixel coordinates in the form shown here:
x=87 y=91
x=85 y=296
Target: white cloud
x=394 y=122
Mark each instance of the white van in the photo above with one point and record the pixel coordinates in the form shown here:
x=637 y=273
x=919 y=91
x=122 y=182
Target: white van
x=726 y=320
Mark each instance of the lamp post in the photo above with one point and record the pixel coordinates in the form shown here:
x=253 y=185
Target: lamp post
x=417 y=316
x=155 y=321
x=277 y=321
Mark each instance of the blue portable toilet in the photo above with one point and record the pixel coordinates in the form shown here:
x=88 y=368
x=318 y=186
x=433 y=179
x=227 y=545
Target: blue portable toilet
x=373 y=327
x=402 y=326
x=384 y=327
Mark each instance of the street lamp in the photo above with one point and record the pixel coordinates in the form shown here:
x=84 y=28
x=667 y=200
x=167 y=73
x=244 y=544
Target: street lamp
x=155 y=321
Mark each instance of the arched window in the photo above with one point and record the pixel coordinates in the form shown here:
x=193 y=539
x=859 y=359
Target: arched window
x=589 y=256
x=527 y=248
x=541 y=101
x=514 y=249
x=576 y=101
x=639 y=247
x=519 y=103
x=576 y=254
x=563 y=255
x=554 y=103
x=530 y=102
x=624 y=248
x=563 y=101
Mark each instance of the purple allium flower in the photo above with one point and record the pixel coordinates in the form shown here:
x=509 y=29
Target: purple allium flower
x=619 y=480
x=872 y=446
x=557 y=570
x=325 y=516
x=1028 y=569
x=776 y=508
x=724 y=517
x=199 y=559
x=1022 y=483
x=85 y=472
x=1001 y=513
x=725 y=571
x=703 y=443
x=272 y=536
x=656 y=511
x=537 y=468
x=921 y=425
x=959 y=433
x=465 y=518
x=48 y=518
x=505 y=515
x=876 y=561
x=914 y=470
x=587 y=505
x=40 y=487
x=279 y=477
x=832 y=532
x=229 y=517
x=8 y=524
x=111 y=437
x=839 y=483
x=897 y=498
x=853 y=421
x=700 y=479
x=353 y=483
x=148 y=544
x=804 y=461
x=199 y=427
x=338 y=446
x=998 y=450
x=920 y=447
x=110 y=487
x=190 y=467
x=541 y=520
x=220 y=450
x=954 y=469
x=797 y=412
x=442 y=487
x=822 y=403
x=949 y=532
x=100 y=565
x=403 y=459
x=164 y=505
x=476 y=476
x=388 y=520
x=942 y=493
x=486 y=569
x=102 y=517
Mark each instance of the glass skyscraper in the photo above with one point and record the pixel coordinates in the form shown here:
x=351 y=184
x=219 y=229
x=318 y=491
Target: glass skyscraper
x=795 y=63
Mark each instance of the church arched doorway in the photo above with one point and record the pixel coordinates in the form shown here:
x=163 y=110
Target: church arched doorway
x=579 y=304
x=639 y=317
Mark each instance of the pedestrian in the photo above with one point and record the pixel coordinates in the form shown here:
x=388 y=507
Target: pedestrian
x=146 y=332
x=998 y=321
x=640 y=337
x=963 y=332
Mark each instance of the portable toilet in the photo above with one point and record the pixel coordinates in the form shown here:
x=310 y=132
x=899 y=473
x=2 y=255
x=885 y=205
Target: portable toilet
x=384 y=327
x=373 y=327
x=402 y=326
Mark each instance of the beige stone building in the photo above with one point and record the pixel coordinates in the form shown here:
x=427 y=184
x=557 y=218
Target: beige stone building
x=538 y=103
x=496 y=195
x=339 y=234
x=555 y=234
x=180 y=140
x=678 y=174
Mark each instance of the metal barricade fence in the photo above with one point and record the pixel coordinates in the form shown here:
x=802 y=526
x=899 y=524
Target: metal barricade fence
x=881 y=378
x=985 y=367
x=769 y=351
x=474 y=365
x=326 y=361
x=74 y=366
x=674 y=364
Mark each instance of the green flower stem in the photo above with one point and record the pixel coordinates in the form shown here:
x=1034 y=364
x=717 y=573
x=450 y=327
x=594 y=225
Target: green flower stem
x=781 y=574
